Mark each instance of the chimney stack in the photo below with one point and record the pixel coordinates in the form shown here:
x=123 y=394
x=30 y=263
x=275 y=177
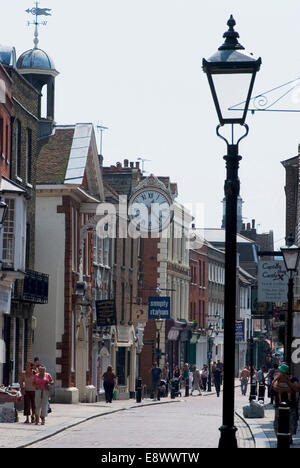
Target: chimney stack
x=126 y=162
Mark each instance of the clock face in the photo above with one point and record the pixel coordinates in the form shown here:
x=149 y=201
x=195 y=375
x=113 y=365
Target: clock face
x=150 y=210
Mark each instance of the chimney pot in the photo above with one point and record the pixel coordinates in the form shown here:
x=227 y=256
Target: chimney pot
x=126 y=162
x=137 y=165
x=248 y=226
x=131 y=164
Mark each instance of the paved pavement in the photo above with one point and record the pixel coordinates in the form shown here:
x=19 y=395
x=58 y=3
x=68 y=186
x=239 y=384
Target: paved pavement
x=263 y=430
x=65 y=418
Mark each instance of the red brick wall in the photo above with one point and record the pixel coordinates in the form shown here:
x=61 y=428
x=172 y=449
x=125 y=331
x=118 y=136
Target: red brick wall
x=70 y=279
x=5 y=128
x=149 y=267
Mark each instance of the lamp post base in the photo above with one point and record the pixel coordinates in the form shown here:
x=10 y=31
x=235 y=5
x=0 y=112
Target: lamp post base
x=228 y=438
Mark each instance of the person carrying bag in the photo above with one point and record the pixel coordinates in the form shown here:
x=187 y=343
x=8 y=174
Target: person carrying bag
x=43 y=382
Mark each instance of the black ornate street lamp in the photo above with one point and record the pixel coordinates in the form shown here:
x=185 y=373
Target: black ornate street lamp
x=291 y=257
x=229 y=64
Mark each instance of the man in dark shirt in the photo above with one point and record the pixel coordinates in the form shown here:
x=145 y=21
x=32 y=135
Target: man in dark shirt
x=156 y=376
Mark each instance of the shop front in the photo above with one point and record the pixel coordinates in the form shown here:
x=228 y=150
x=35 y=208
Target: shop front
x=124 y=361
x=173 y=345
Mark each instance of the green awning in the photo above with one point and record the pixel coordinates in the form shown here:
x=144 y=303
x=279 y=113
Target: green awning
x=194 y=339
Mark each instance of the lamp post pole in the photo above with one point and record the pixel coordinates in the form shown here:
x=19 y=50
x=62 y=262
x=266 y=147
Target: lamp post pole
x=291 y=258
x=229 y=63
x=289 y=323
x=158 y=348
x=231 y=189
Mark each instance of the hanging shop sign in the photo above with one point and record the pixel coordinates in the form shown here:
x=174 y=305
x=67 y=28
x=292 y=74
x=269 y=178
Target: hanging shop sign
x=106 y=313
x=239 y=330
x=272 y=281
x=158 y=307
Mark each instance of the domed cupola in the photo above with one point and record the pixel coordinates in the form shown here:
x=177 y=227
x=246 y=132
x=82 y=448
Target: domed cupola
x=38 y=69
x=35 y=59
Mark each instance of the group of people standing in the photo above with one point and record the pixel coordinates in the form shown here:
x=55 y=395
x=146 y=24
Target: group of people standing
x=282 y=387
x=197 y=380
x=35 y=388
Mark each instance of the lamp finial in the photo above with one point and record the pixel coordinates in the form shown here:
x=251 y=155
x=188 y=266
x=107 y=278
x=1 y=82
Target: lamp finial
x=231 y=36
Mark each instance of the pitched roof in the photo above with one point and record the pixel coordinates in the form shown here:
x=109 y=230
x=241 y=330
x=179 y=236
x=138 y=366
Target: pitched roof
x=54 y=156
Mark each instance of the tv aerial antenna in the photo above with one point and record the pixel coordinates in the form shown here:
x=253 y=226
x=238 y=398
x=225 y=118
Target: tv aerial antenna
x=101 y=129
x=143 y=164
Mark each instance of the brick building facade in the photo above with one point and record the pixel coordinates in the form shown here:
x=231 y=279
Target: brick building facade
x=67 y=201
x=18 y=234
x=119 y=181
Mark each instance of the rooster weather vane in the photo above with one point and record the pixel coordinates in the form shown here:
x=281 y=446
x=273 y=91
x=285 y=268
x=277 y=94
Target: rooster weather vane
x=36 y=11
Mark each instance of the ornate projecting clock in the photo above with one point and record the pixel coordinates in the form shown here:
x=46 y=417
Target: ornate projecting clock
x=150 y=206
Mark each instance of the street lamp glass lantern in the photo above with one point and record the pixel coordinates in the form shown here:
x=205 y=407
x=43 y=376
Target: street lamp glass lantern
x=159 y=323
x=231 y=73
x=291 y=257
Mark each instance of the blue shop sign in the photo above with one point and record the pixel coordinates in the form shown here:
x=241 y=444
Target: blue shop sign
x=158 y=307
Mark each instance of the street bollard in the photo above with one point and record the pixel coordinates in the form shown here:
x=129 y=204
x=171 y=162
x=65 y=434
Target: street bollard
x=187 y=388
x=252 y=392
x=261 y=392
x=283 y=431
x=172 y=390
x=139 y=390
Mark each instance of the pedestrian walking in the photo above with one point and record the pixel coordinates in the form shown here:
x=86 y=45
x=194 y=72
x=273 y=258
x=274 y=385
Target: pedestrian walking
x=185 y=373
x=166 y=377
x=244 y=379
x=290 y=397
x=217 y=378
x=156 y=376
x=271 y=375
x=220 y=366
x=36 y=365
x=28 y=391
x=196 y=380
x=261 y=379
x=204 y=376
x=177 y=373
x=42 y=381
x=109 y=382
x=191 y=380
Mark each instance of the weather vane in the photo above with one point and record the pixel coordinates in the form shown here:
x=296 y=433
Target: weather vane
x=36 y=11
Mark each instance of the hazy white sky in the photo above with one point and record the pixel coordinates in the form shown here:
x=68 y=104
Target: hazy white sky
x=135 y=66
